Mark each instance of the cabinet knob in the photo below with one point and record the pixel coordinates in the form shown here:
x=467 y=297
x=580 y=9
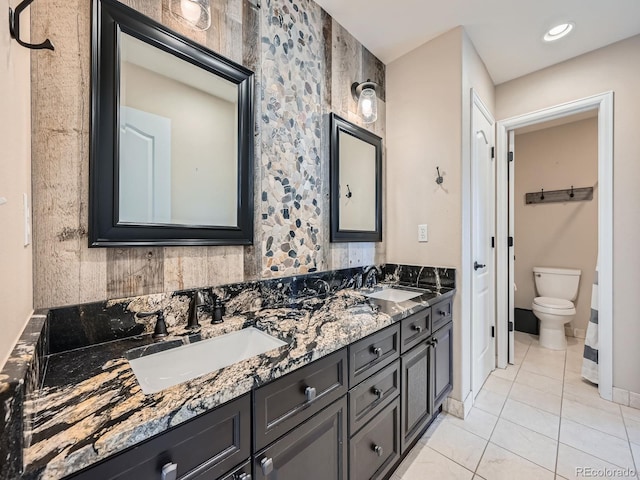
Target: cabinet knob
x=310 y=393
x=442 y=313
x=267 y=465
x=435 y=341
x=376 y=351
x=417 y=328
x=378 y=449
x=242 y=476
x=377 y=392
x=169 y=471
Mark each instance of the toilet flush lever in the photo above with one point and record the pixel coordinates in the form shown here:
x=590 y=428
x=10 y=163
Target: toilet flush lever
x=477 y=266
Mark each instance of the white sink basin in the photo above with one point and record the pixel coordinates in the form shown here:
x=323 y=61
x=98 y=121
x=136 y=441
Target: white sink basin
x=394 y=294
x=164 y=369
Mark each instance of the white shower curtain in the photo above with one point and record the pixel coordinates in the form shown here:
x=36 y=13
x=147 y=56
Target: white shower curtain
x=590 y=361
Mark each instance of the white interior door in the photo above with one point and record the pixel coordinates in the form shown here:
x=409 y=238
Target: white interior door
x=482 y=244
x=510 y=250
x=145 y=167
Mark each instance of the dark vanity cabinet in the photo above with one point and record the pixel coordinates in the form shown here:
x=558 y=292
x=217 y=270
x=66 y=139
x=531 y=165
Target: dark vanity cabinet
x=206 y=447
x=351 y=415
x=426 y=368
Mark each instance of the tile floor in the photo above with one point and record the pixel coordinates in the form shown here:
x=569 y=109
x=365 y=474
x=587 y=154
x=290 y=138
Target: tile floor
x=535 y=420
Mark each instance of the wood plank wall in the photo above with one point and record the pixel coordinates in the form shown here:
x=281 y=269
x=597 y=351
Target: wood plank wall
x=66 y=271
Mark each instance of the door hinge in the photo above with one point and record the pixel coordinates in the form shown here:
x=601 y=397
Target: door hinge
x=493 y=242
x=510 y=241
x=493 y=152
x=511 y=326
x=511 y=156
x=493 y=332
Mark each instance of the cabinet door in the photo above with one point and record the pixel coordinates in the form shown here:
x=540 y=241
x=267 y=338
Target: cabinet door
x=376 y=448
x=205 y=447
x=416 y=393
x=316 y=450
x=442 y=363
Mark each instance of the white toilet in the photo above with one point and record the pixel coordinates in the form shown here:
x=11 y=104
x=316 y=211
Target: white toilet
x=557 y=287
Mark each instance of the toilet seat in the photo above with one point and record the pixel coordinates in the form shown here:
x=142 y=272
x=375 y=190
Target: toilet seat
x=554 y=306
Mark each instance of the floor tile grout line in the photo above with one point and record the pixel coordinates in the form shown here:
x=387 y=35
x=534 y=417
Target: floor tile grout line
x=564 y=374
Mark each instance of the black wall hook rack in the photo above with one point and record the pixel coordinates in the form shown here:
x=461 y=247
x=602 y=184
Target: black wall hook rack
x=14 y=28
x=555 y=196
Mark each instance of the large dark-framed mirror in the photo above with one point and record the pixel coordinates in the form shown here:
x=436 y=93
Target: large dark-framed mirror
x=171 y=137
x=356 y=183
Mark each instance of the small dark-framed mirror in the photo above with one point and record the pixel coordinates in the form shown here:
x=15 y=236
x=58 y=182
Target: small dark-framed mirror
x=356 y=183
x=171 y=158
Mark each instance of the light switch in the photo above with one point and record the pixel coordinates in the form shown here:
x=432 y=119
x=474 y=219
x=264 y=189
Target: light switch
x=423 y=233
x=27 y=219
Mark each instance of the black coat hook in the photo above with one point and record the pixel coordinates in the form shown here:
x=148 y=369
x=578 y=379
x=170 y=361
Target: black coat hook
x=349 y=194
x=439 y=178
x=14 y=28
x=542 y=195
x=571 y=194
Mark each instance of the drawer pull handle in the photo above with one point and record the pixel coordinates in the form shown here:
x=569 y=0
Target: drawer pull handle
x=377 y=351
x=442 y=313
x=242 y=476
x=310 y=393
x=169 y=471
x=377 y=392
x=435 y=341
x=417 y=328
x=267 y=465
x=378 y=449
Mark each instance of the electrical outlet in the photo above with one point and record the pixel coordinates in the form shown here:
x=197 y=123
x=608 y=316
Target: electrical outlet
x=423 y=233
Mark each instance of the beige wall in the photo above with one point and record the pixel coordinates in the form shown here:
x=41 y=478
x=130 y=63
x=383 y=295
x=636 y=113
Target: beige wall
x=428 y=125
x=557 y=234
x=16 y=291
x=615 y=68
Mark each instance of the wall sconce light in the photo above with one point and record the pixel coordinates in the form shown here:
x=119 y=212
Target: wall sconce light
x=195 y=13
x=365 y=94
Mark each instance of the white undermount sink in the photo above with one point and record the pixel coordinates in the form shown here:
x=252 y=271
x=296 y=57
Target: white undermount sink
x=161 y=370
x=394 y=294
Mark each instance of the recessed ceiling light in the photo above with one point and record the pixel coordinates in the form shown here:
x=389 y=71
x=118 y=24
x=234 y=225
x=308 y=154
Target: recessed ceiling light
x=557 y=32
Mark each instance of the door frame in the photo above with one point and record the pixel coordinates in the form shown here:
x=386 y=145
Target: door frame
x=476 y=101
x=603 y=103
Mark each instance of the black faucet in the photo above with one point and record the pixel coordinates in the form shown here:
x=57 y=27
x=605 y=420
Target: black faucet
x=198 y=301
x=370 y=276
x=160 y=330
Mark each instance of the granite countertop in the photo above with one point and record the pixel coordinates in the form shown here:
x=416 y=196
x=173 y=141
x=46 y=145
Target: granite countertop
x=90 y=406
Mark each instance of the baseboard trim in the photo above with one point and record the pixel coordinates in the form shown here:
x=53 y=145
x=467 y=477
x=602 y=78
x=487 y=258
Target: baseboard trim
x=457 y=408
x=626 y=398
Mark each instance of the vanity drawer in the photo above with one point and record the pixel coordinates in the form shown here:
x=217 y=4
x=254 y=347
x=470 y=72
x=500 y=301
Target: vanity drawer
x=205 y=447
x=368 y=398
x=375 y=449
x=288 y=401
x=440 y=314
x=369 y=355
x=414 y=329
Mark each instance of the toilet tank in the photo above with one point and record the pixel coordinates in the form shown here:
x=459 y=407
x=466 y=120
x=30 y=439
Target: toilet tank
x=557 y=282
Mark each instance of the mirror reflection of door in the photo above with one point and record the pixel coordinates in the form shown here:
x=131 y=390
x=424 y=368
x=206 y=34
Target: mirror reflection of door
x=198 y=152
x=357 y=184
x=145 y=167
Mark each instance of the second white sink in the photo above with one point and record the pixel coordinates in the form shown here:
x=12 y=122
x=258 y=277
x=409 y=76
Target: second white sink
x=394 y=294
x=164 y=369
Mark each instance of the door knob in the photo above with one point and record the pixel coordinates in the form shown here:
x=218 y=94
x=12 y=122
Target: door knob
x=477 y=266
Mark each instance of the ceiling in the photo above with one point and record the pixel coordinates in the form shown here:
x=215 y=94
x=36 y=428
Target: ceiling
x=506 y=33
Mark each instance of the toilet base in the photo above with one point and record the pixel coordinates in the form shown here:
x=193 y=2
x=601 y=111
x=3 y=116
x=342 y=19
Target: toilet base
x=552 y=336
